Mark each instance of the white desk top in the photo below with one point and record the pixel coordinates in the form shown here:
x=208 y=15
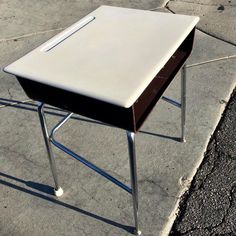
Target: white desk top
x=112 y=54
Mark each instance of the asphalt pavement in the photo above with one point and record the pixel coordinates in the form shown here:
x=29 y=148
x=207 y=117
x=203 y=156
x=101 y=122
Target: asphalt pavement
x=209 y=207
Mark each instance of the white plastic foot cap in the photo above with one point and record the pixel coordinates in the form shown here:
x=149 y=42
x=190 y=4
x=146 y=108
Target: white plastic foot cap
x=58 y=192
x=138 y=233
x=183 y=140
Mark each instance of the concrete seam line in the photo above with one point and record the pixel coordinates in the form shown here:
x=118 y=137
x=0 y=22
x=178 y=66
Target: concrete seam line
x=31 y=34
x=216 y=37
x=210 y=61
x=52 y=30
x=203 y=31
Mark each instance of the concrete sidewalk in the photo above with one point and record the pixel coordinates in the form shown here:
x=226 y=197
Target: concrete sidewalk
x=91 y=205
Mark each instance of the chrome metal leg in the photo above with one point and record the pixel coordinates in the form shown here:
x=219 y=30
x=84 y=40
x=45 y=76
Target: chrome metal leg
x=58 y=190
x=183 y=102
x=133 y=175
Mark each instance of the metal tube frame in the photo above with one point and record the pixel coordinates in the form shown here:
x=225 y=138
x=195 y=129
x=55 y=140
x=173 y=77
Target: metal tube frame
x=133 y=177
x=181 y=105
x=50 y=139
x=58 y=190
x=183 y=102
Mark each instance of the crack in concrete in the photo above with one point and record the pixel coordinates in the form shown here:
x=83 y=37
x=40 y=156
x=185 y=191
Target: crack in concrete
x=153 y=183
x=22 y=155
x=8 y=91
x=204 y=31
x=216 y=37
x=203 y=4
x=52 y=30
x=30 y=35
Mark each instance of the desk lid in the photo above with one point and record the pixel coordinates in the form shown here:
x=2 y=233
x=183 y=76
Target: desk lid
x=112 y=54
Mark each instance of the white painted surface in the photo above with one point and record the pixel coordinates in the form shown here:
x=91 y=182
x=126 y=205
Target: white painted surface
x=112 y=58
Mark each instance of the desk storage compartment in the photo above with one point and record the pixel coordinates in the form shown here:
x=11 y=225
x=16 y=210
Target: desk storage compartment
x=147 y=100
x=127 y=118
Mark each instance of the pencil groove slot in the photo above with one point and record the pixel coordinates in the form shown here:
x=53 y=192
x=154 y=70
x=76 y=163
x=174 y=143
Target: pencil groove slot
x=66 y=34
